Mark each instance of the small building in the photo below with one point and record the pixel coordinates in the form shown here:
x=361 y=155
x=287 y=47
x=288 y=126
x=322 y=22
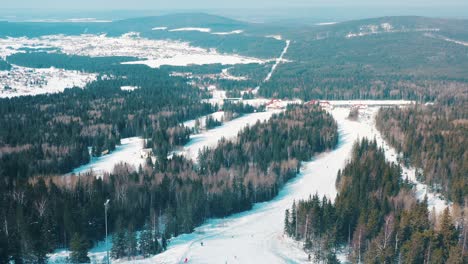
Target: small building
x=275 y=104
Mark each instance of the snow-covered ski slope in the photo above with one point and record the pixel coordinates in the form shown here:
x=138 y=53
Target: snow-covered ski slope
x=130 y=149
x=228 y=130
x=256 y=236
x=129 y=152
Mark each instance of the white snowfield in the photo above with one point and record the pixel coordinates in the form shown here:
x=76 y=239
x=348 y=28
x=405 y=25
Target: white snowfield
x=19 y=81
x=128 y=152
x=218 y=116
x=256 y=236
x=159 y=28
x=129 y=88
x=371 y=29
x=459 y=42
x=200 y=29
x=326 y=23
x=228 y=130
x=155 y=52
x=201 y=58
x=277 y=37
x=234 y=32
x=278 y=60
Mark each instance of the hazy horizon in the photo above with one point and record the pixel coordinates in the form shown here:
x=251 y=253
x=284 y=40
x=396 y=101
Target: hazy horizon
x=257 y=14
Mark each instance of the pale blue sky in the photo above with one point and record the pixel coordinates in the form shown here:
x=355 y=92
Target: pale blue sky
x=216 y=4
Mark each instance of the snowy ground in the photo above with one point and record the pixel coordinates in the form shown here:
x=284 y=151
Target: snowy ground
x=256 y=236
x=129 y=152
x=278 y=60
x=129 y=88
x=228 y=130
x=20 y=81
x=218 y=116
x=326 y=23
x=238 y=31
x=435 y=200
x=372 y=29
x=205 y=30
x=155 y=52
x=459 y=42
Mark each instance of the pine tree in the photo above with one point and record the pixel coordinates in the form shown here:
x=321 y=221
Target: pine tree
x=448 y=232
x=148 y=243
x=131 y=241
x=287 y=227
x=145 y=242
x=164 y=243
x=293 y=220
x=79 y=249
x=118 y=245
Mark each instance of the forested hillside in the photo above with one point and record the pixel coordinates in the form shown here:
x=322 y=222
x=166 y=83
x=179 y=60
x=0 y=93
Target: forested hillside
x=50 y=134
x=163 y=199
x=376 y=214
x=268 y=154
x=387 y=58
x=435 y=139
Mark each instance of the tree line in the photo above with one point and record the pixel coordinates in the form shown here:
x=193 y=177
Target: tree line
x=432 y=138
x=155 y=202
x=376 y=215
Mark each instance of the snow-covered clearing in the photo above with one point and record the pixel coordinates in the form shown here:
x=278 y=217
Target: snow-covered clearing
x=239 y=31
x=366 y=30
x=205 y=30
x=129 y=88
x=256 y=236
x=227 y=76
x=159 y=28
x=435 y=200
x=326 y=23
x=218 y=116
x=459 y=42
x=278 y=61
x=228 y=130
x=129 y=151
x=273 y=68
x=155 y=52
x=19 y=81
x=277 y=37
x=201 y=29
x=201 y=58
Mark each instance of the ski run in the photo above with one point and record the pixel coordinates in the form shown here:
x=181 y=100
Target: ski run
x=256 y=236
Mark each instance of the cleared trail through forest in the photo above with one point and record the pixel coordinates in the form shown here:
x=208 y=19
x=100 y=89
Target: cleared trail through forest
x=256 y=236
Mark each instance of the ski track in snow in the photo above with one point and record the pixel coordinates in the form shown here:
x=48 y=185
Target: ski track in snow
x=256 y=236
x=273 y=68
x=128 y=151
x=459 y=42
x=278 y=61
x=228 y=130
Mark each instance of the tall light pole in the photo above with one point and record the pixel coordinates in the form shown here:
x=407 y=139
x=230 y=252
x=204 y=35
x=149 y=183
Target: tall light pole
x=106 y=206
